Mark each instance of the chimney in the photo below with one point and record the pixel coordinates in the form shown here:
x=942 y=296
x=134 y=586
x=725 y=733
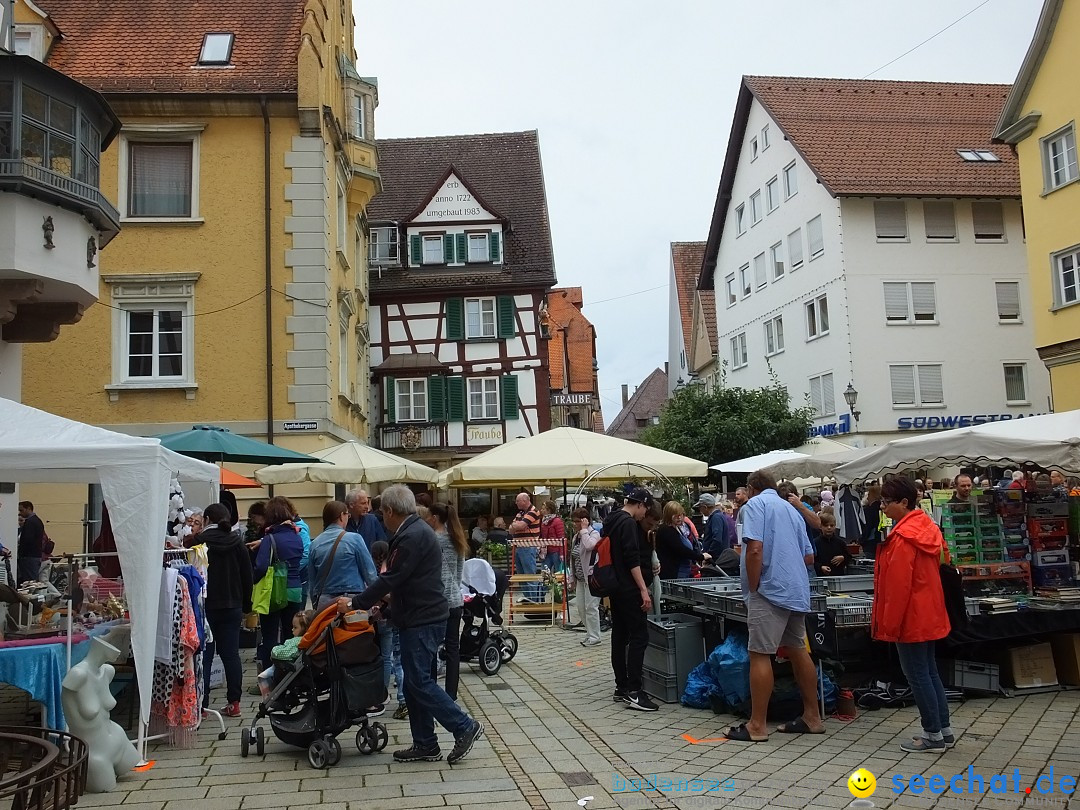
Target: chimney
x=625 y=394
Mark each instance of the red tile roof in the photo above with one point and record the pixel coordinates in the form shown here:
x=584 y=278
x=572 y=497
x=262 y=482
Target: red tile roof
x=647 y=401
x=572 y=336
x=708 y=307
x=893 y=137
x=686 y=260
x=140 y=46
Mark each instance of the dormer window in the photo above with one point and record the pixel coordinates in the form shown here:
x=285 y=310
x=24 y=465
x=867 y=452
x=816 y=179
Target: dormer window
x=433 y=249
x=478 y=248
x=216 y=49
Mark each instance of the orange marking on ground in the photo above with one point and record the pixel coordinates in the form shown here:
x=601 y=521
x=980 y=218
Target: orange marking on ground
x=145 y=766
x=692 y=741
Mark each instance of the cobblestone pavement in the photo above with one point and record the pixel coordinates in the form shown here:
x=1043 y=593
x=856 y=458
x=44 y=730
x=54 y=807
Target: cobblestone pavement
x=555 y=737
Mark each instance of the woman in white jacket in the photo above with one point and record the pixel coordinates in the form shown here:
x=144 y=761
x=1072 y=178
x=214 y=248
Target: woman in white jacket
x=581 y=550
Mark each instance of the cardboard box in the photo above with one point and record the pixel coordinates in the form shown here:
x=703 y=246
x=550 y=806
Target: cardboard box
x=1066 y=647
x=1031 y=666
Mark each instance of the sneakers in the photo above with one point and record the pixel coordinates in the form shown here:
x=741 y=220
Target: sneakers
x=231 y=710
x=921 y=744
x=640 y=701
x=463 y=745
x=948 y=739
x=401 y=712
x=375 y=711
x=590 y=642
x=415 y=753
x=619 y=696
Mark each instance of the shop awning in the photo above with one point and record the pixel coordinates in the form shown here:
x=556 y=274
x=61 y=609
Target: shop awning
x=350 y=463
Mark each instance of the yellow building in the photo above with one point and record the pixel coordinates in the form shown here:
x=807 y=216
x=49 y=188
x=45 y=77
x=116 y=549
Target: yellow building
x=236 y=293
x=1039 y=119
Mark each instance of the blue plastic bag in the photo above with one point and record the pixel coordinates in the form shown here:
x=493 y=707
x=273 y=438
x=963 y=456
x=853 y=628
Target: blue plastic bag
x=730 y=667
x=700 y=685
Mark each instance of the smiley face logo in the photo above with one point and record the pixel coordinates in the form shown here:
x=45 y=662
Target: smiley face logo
x=862 y=784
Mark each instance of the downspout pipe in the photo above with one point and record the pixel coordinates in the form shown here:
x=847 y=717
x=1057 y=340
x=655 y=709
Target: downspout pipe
x=268 y=292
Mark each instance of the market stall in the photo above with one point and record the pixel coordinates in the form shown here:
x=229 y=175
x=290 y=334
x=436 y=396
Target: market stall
x=134 y=474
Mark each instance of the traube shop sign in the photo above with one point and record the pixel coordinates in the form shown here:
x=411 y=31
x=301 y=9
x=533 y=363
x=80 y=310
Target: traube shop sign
x=955 y=421
x=571 y=399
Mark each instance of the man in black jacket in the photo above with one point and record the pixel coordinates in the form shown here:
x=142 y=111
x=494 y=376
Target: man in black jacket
x=418 y=608
x=31 y=538
x=631 y=556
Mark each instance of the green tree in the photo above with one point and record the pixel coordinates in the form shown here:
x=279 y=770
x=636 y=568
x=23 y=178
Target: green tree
x=729 y=423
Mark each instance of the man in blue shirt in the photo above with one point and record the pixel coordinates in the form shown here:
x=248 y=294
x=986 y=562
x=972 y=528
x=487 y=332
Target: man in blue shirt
x=776 y=588
x=714 y=538
x=362 y=520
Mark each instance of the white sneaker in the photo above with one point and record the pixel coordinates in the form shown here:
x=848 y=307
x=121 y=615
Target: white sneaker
x=590 y=642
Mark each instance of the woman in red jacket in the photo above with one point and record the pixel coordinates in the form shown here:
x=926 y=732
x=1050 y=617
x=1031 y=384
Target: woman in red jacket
x=552 y=529
x=909 y=607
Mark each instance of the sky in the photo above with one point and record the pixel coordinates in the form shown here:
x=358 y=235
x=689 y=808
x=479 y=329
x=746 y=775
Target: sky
x=633 y=103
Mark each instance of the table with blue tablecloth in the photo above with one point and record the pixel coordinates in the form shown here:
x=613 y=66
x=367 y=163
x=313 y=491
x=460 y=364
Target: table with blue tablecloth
x=39 y=669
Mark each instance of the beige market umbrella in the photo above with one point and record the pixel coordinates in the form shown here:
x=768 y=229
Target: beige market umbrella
x=568 y=455
x=350 y=463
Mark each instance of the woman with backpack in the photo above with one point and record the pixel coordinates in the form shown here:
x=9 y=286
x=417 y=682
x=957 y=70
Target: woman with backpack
x=909 y=607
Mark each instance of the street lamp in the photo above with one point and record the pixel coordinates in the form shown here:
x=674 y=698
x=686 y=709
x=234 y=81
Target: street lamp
x=851 y=396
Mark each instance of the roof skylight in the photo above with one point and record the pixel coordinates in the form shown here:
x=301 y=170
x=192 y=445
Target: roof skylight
x=216 y=49
x=978 y=156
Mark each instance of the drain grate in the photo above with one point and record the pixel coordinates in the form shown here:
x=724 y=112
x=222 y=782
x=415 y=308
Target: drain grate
x=578 y=778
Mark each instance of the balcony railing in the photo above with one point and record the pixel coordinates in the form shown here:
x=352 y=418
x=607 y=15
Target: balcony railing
x=67 y=192
x=412 y=436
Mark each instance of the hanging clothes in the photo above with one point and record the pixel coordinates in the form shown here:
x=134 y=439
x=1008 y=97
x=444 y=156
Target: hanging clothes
x=176 y=708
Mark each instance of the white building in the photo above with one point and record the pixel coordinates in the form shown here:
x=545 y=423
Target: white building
x=867 y=233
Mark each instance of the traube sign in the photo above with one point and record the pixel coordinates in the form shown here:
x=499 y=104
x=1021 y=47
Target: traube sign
x=571 y=399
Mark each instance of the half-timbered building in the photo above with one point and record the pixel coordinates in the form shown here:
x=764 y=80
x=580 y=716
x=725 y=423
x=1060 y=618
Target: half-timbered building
x=461 y=263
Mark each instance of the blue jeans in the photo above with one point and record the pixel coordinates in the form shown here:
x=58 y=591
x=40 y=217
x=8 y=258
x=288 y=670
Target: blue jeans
x=399 y=677
x=554 y=561
x=427 y=702
x=525 y=563
x=920 y=668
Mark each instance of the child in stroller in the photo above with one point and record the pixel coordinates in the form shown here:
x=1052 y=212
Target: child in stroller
x=331 y=686
x=483 y=591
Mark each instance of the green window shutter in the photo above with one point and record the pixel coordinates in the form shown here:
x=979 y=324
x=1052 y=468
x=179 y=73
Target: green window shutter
x=462 y=247
x=390 y=399
x=416 y=251
x=455 y=319
x=510 y=397
x=504 y=308
x=455 y=398
x=494 y=248
x=448 y=248
x=436 y=398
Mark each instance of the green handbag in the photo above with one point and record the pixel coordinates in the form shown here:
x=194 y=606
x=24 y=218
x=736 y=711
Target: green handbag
x=271 y=592
x=279 y=593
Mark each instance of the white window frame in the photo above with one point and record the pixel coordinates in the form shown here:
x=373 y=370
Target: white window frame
x=375 y=245
x=486 y=253
x=911 y=317
x=776 y=259
x=344 y=350
x=431 y=238
x=774 y=336
x=791 y=180
x=918 y=403
x=1066 y=136
x=761 y=271
x=482 y=309
x=219 y=38
x=795 y=265
x=813 y=309
x=809 y=239
x=162 y=133
x=1019 y=302
x=740 y=219
x=357 y=116
x=764 y=137
x=754 y=151
x=730 y=290
x=141 y=292
x=342 y=216
x=489 y=392
x=417 y=386
x=1005 y=366
x=824 y=409
x=739 y=357
x=772 y=195
x=746 y=281
x=32 y=36
x=755 y=208
x=1060 y=288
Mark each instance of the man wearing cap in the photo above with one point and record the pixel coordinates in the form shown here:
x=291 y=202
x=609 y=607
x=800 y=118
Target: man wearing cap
x=714 y=538
x=631 y=557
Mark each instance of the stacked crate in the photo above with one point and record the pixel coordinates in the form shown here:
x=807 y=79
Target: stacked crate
x=1013 y=513
x=958 y=529
x=989 y=531
x=1048 y=531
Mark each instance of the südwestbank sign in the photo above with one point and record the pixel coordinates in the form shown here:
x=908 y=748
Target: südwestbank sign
x=955 y=421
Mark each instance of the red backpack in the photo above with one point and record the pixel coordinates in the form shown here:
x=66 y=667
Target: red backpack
x=603 y=581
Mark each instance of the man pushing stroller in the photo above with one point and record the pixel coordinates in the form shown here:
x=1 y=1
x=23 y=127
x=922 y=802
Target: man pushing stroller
x=418 y=608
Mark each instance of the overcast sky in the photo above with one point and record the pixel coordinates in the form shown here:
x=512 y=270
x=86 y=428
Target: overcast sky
x=633 y=101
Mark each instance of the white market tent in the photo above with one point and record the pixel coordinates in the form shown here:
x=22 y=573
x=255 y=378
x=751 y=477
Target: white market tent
x=815 y=467
x=570 y=455
x=134 y=474
x=350 y=463
x=752 y=464
x=1051 y=441
x=790 y=463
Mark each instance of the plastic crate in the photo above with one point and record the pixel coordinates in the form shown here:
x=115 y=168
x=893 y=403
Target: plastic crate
x=677 y=588
x=1048 y=543
x=851 y=611
x=992 y=556
x=960 y=537
x=958 y=521
x=846 y=583
x=1014 y=536
x=1048 y=527
x=971 y=676
x=966 y=556
x=676 y=645
x=949 y=510
x=990 y=544
x=725 y=604
x=1019 y=551
x=662 y=687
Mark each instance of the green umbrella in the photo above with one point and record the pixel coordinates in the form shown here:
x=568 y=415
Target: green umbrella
x=211 y=443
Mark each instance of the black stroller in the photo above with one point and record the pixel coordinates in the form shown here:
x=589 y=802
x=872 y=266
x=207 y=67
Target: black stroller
x=489 y=648
x=328 y=689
